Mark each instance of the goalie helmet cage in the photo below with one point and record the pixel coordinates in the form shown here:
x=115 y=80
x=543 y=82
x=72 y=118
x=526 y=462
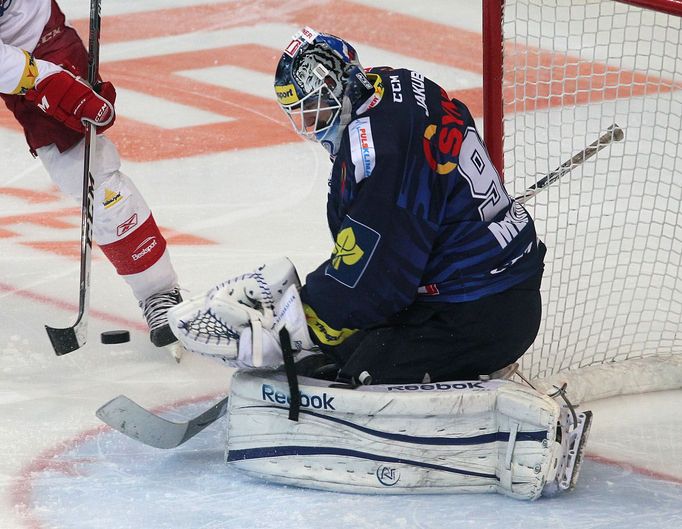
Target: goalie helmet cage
x=557 y=74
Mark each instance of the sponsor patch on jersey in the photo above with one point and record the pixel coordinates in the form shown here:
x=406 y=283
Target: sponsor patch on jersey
x=49 y=35
x=428 y=290
x=430 y=132
x=325 y=333
x=376 y=97
x=353 y=249
x=362 y=148
x=111 y=198
x=396 y=88
x=144 y=248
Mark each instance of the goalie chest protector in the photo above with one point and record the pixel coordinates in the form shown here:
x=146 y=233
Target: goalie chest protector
x=447 y=437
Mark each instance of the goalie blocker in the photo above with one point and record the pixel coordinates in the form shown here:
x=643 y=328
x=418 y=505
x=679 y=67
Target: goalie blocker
x=448 y=437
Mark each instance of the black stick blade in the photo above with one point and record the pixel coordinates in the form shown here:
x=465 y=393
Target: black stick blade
x=63 y=340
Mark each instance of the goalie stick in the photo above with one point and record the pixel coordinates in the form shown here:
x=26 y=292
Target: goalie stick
x=613 y=133
x=131 y=419
x=65 y=340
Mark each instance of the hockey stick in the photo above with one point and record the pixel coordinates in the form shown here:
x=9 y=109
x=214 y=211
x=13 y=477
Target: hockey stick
x=131 y=419
x=65 y=340
x=613 y=133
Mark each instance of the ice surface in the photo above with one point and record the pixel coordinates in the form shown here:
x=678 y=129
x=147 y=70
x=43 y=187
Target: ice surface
x=229 y=198
x=111 y=475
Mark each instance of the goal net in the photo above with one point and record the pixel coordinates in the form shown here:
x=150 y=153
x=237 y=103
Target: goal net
x=558 y=74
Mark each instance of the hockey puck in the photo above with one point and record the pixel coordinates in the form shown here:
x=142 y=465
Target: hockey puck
x=109 y=337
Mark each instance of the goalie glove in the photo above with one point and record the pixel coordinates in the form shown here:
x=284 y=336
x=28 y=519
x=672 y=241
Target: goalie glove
x=259 y=343
x=243 y=310
x=70 y=100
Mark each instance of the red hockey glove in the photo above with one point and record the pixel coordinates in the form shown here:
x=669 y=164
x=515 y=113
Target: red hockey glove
x=69 y=100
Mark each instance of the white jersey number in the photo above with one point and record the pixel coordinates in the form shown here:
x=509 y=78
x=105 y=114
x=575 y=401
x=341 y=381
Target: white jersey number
x=484 y=182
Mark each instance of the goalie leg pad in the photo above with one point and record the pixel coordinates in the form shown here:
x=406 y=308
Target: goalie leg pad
x=465 y=436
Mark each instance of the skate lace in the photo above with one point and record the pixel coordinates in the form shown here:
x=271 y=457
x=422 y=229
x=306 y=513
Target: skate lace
x=156 y=306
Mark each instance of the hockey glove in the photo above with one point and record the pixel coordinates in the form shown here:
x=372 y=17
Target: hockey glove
x=70 y=100
x=238 y=320
x=259 y=343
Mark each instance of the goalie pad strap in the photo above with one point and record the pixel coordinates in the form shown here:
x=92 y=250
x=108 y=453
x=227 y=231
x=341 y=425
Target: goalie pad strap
x=292 y=379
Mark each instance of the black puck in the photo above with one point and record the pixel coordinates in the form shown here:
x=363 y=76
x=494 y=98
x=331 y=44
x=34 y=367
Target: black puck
x=109 y=337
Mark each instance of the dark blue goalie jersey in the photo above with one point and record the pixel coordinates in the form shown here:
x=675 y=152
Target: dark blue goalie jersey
x=417 y=212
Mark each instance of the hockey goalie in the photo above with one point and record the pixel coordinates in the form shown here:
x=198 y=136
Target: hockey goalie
x=387 y=371
x=303 y=424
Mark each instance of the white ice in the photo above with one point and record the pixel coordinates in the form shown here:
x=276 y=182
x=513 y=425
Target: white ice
x=60 y=468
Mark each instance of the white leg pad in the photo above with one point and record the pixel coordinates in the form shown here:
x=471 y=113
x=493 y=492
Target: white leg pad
x=468 y=436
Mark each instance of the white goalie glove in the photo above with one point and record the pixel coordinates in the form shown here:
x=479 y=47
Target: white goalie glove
x=239 y=320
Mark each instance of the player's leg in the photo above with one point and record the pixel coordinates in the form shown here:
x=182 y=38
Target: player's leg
x=125 y=229
x=123 y=224
x=437 y=341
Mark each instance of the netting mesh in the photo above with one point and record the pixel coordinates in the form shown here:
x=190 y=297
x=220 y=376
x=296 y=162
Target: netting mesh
x=612 y=287
x=204 y=327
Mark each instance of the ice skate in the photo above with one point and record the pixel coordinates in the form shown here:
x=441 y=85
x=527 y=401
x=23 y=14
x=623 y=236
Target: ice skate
x=155 y=309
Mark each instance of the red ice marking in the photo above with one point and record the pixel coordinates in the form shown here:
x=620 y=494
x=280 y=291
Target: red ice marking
x=256 y=121
x=29 y=195
x=66 y=218
x=73 y=307
x=58 y=219
x=21 y=490
x=635 y=468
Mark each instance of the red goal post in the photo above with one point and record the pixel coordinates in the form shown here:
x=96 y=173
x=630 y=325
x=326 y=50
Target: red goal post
x=557 y=74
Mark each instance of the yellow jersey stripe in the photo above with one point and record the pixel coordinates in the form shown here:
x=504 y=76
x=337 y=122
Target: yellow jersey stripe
x=324 y=333
x=29 y=75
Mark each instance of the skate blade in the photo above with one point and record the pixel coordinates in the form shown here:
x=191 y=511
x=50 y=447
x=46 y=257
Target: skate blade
x=578 y=451
x=176 y=350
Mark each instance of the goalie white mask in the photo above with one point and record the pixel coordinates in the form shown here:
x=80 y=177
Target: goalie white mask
x=318 y=79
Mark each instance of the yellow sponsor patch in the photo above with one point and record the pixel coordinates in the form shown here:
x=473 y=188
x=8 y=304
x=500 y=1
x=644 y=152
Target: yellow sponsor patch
x=440 y=168
x=353 y=249
x=29 y=75
x=111 y=198
x=346 y=249
x=325 y=334
x=286 y=95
